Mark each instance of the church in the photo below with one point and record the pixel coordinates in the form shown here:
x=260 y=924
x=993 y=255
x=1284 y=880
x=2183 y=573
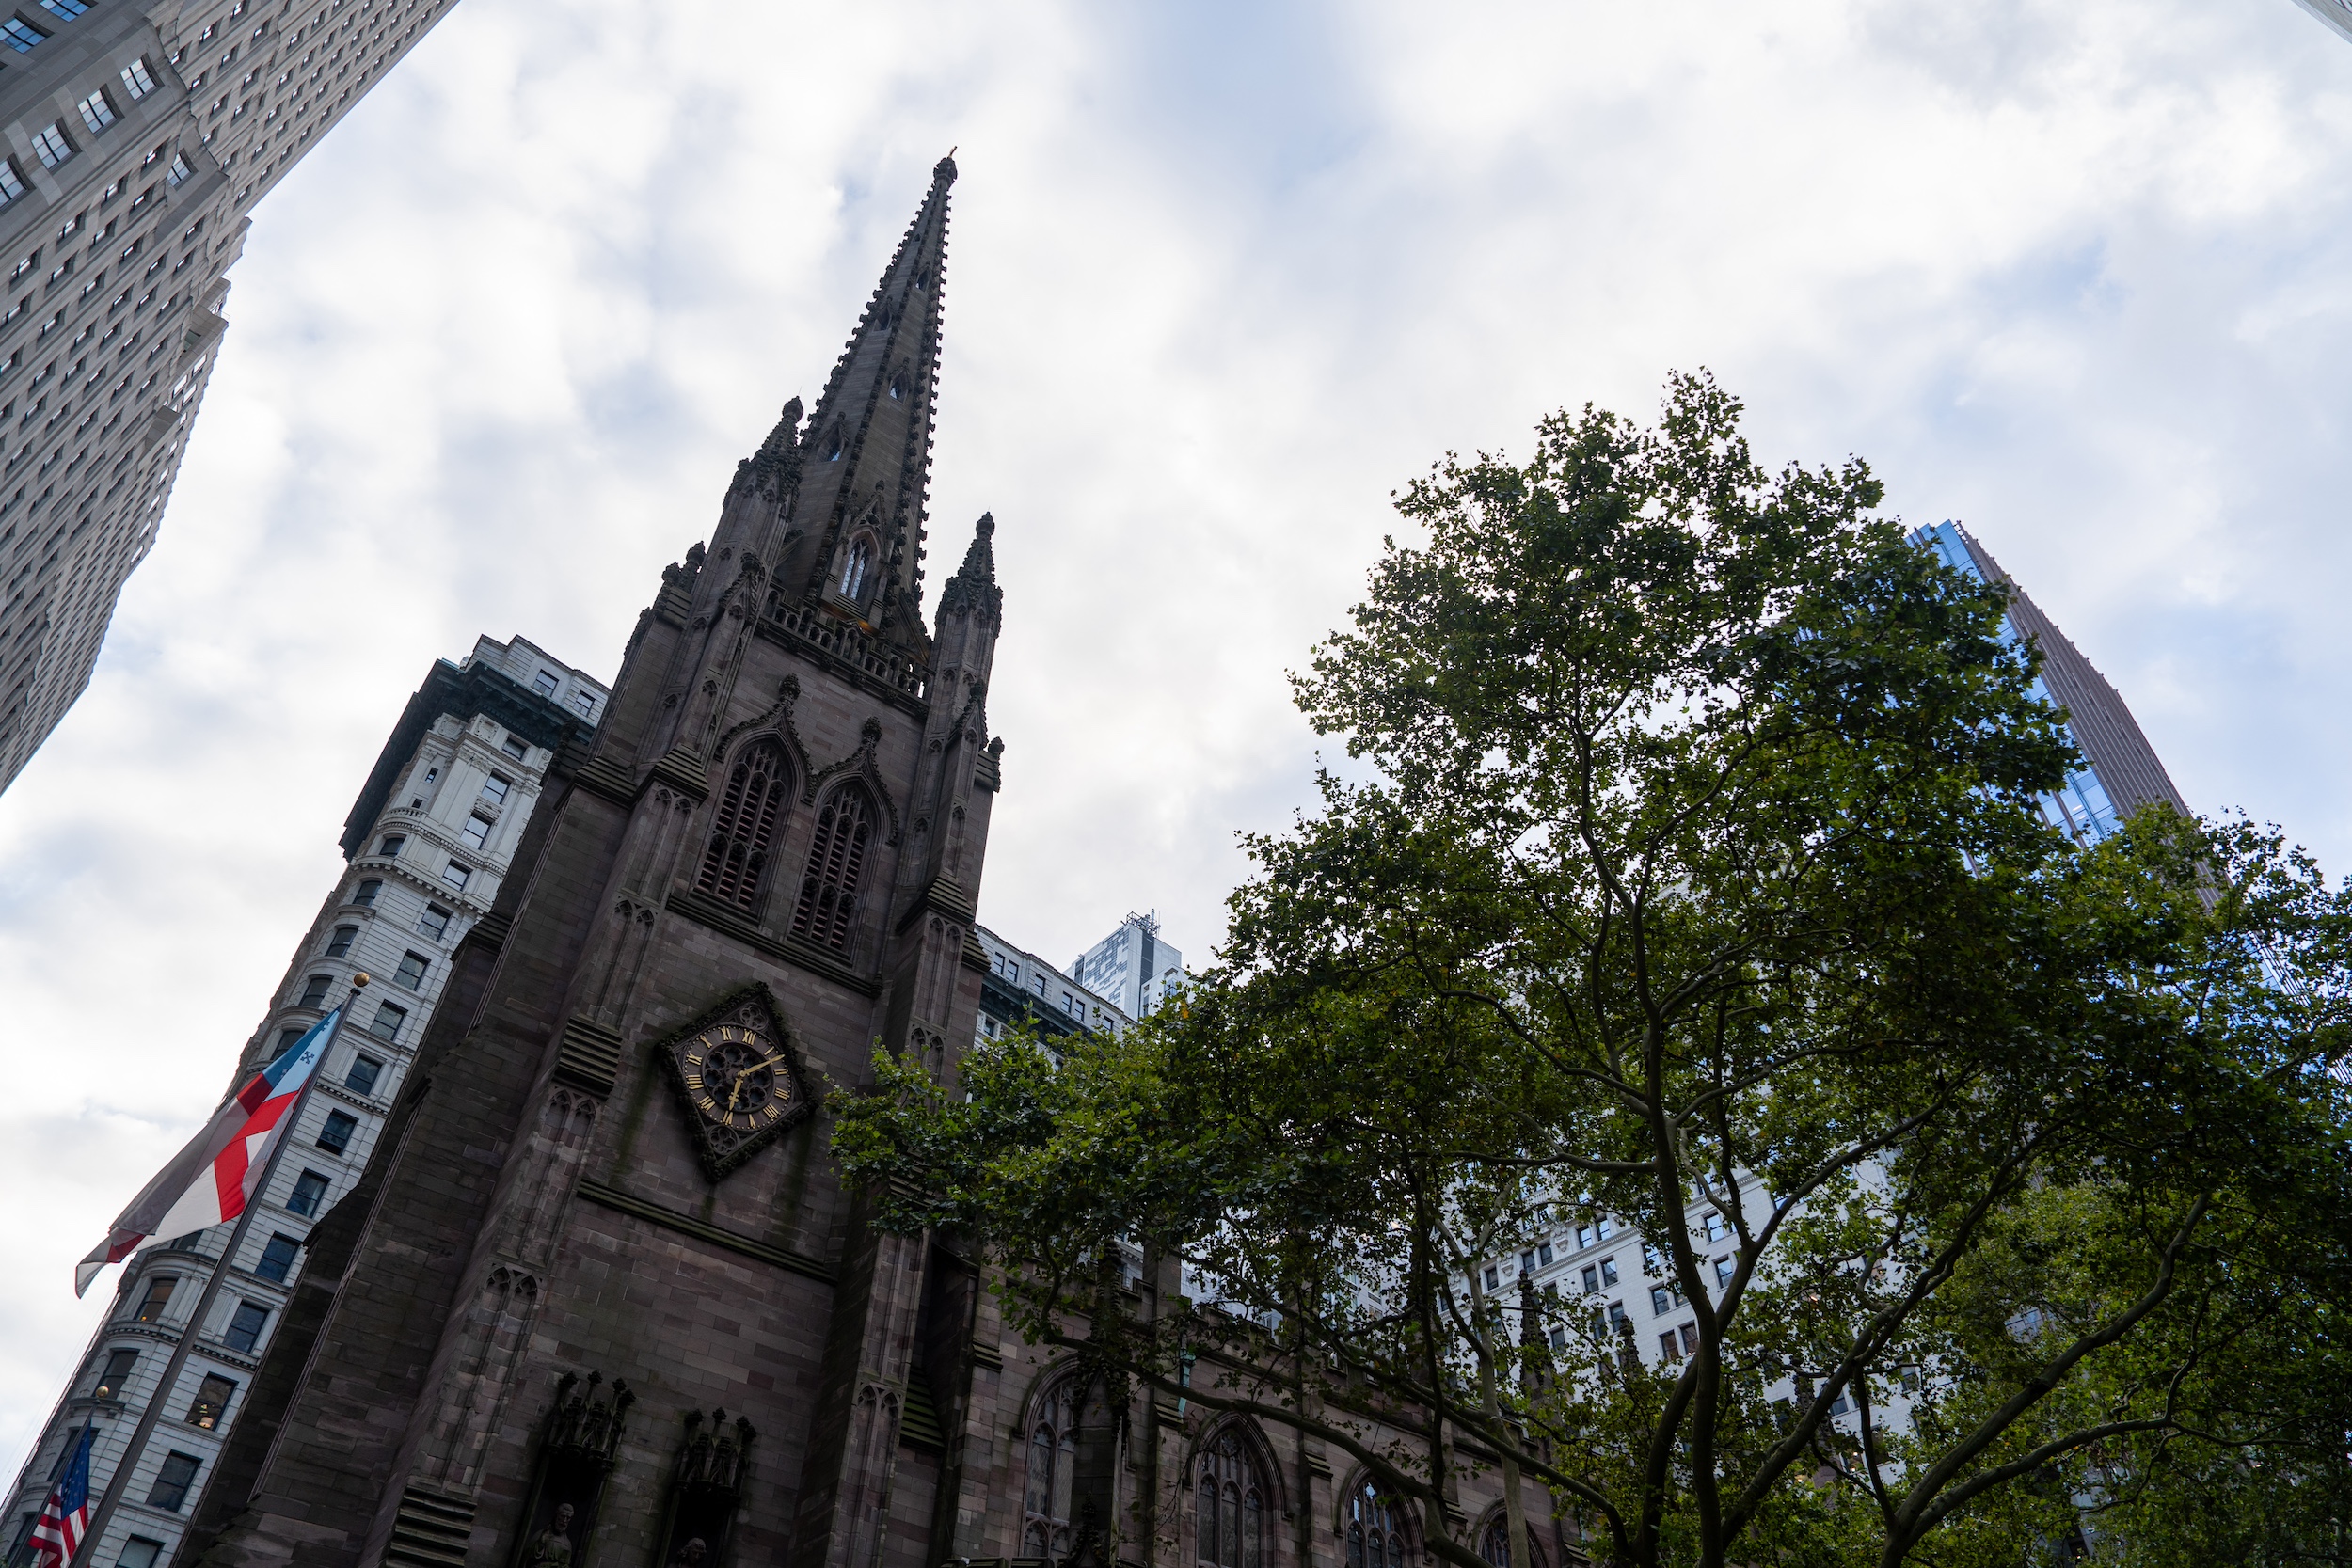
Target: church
x=600 y=1297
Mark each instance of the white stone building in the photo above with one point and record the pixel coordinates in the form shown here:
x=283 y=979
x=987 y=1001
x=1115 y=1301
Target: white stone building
x=427 y=845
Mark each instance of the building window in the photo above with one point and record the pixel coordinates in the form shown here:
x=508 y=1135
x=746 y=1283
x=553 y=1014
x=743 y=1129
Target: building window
x=309 y=1190
x=1496 y=1547
x=1609 y=1271
x=1053 y=1449
x=1714 y=1228
x=11 y=183
x=135 y=79
x=410 y=975
x=545 y=684
x=1527 y=1263
x=315 y=990
x=455 y=876
x=1723 y=1272
x=172 y=1482
x=51 y=144
x=477 y=832
x=1374 y=1537
x=96 y=112
x=388 y=1018
x=340 y=943
x=1663 y=1299
x=836 y=861
x=211 y=1400
x=744 y=825
x=391 y=846
x=494 y=789
x=67 y=8
x=364 y=895
x=1228 y=1506
x=433 y=922
x=277 y=1258
x=20 y=35
x=854 y=568
x=1690 y=1338
x=1603 y=1228
x=245 y=1325
x=583 y=702
x=1592 y=1280
x=364 y=1071
x=1494 y=1278
x=140 y=1552
x=154 y=1299
x=336 y=1136
x=1667 y=1348
x=117 y=1373
x=1543 y=1252
x=1617 y=1319
x=513 y=746
x=180 y=172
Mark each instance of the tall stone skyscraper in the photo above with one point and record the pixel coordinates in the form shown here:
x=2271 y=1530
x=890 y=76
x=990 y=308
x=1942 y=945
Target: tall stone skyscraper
x=139 y=136
x=426 y=846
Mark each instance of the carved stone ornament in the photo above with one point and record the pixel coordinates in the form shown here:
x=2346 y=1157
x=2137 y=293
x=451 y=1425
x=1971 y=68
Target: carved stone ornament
x=740 y=1076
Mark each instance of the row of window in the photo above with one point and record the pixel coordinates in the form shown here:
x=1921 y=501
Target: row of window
x=52 y=144
x=454 y=875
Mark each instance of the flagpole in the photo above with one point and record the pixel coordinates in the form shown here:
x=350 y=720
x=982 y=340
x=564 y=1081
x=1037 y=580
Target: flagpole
x=283 y=1136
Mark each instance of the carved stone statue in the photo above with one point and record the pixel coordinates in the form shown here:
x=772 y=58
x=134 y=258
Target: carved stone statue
x=553 y=1547
x=689 y=1555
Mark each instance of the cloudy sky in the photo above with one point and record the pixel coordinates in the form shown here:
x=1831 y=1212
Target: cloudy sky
x=2077 y=272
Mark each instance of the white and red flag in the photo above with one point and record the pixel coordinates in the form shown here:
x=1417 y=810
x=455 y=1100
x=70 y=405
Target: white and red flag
x=211 y=1179
x=64 y=1516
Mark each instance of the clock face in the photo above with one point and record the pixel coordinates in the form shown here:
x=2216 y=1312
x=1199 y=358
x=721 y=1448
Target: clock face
x=739 y=1077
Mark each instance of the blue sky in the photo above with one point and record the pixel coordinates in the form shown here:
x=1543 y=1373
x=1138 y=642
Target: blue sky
x=1220 y=279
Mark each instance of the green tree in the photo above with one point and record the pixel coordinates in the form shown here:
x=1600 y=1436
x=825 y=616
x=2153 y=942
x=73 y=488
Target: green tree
x=1691 y=864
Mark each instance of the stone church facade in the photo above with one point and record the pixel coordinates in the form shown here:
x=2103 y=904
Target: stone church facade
x=600 y=1296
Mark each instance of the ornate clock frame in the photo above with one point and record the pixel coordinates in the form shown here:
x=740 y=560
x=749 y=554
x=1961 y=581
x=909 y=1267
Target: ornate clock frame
x=719 y=1148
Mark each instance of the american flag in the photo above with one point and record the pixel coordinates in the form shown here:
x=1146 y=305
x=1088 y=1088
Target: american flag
x=66 y=1514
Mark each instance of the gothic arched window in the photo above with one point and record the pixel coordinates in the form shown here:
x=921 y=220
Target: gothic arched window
x=744 y=825
x=1229 y=1506
x=1496 y=1547
x=856 y=566
x=1374 y=1538
x=827 y=909
x=1053 y=1448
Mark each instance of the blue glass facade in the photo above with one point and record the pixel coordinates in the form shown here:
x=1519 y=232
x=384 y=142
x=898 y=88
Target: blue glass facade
x=2085 y=807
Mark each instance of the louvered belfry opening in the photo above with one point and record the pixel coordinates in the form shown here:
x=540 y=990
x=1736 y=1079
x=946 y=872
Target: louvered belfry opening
x=828 y=905
x=745 y=826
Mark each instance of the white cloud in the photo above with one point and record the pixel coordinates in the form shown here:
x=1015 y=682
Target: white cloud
x=1220 y=277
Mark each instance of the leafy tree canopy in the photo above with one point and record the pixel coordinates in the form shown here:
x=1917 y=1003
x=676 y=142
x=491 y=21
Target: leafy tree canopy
x=1693 y=874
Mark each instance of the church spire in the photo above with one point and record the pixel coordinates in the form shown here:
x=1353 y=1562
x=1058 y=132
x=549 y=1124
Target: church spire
x=857 y=523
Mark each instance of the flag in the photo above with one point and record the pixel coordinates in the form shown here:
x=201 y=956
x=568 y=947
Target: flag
x=211 y=1179
x=66 y=1514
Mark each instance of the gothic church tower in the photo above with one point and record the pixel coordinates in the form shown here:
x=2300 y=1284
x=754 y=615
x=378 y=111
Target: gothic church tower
x=601 y=1295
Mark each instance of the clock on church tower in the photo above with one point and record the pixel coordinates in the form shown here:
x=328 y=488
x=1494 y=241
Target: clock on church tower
x=740 y=1078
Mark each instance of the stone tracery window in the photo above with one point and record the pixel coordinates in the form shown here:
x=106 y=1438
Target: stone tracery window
x=1229 y=1506
x=855 y=567
x=827 y=910
x=1053 y=1448
x=744 y=825
x=1496 y=1544
x=1375 y=1538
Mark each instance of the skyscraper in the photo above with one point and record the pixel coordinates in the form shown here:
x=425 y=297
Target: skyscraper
x=2337 y=14
x=1135 y=966
x=2122 y=772
x=138 y=138
x=427 y=845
